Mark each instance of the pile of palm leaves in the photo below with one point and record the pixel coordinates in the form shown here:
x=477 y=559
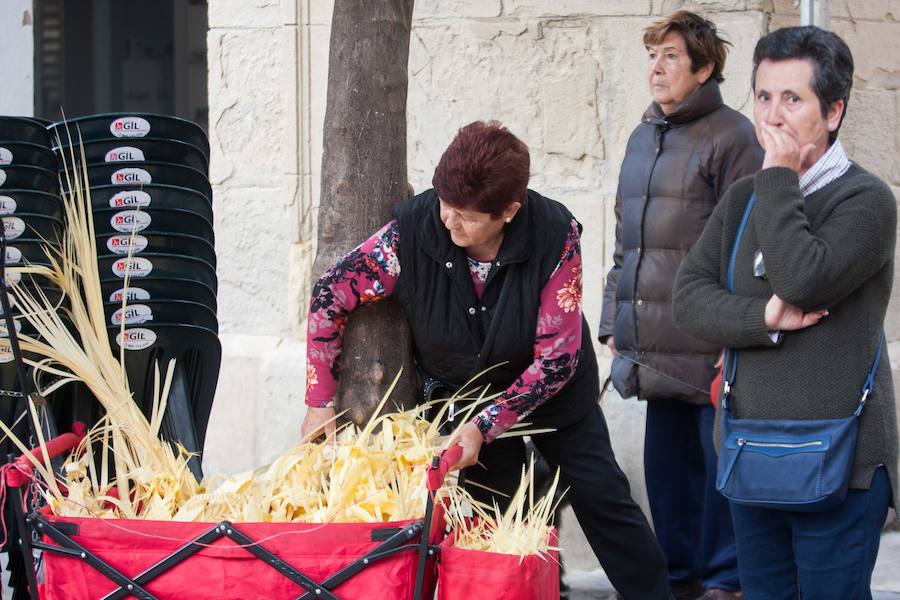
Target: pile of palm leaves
x=125 y=469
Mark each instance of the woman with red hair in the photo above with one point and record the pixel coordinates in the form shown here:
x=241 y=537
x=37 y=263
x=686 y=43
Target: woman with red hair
x=489 y=275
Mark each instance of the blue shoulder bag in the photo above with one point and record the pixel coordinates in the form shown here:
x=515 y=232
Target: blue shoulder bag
x=793 y=465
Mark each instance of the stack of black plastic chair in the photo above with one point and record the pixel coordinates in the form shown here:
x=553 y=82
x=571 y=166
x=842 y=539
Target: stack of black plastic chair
x=32 y=216
x=152 y=207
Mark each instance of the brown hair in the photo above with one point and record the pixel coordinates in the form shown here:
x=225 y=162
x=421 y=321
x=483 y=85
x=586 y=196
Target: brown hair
x=485 y=168
x=704 y=45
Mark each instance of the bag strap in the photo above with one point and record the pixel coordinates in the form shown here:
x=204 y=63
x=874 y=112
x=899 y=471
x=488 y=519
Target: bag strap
x=728 y=373
x=737 y=241
x=870 y=380
x=729 y=370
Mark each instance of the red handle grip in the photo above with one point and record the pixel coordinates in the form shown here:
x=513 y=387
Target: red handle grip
x=22 y=467
x=449 y=457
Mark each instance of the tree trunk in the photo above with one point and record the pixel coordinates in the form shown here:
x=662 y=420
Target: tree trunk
x=363 y=176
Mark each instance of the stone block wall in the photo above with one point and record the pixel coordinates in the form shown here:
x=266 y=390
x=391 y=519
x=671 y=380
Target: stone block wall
x=17 y=50
x=567 y=76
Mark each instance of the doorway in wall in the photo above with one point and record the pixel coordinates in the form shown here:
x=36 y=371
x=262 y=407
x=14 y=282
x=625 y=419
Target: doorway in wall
x=96 y=56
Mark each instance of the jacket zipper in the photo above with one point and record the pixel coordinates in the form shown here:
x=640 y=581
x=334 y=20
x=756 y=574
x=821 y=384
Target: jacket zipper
x=658 y=134
x=742 y=442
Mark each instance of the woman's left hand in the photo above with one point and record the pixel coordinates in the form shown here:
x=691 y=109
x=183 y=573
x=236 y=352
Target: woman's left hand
x=781 y=316
x=471 y=439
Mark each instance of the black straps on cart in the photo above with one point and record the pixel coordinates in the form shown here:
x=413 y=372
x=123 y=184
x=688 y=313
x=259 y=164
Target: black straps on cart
x=25 y=391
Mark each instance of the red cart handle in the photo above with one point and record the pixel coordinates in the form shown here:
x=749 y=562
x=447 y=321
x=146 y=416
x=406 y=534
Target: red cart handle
x=442 y=465
x=19 y=471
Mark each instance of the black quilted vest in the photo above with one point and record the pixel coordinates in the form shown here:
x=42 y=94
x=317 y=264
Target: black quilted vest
x=449 y=324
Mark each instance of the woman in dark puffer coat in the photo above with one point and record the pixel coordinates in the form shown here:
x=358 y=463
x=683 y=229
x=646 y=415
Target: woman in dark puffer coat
x=687 y=150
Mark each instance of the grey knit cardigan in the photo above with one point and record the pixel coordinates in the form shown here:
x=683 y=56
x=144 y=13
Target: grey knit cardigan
x=833 y=249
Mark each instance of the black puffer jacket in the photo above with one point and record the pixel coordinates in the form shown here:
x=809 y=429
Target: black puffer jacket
x=676 y=168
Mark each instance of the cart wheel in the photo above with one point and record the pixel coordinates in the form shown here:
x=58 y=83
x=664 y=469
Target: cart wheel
x=18 y=582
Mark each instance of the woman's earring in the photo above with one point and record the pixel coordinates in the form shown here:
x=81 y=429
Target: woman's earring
x=508 y=219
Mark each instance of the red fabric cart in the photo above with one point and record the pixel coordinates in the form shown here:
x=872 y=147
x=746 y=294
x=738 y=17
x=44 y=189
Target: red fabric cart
x=226 y=561
x=118 y=558
x=114 y=559
x=474 y=574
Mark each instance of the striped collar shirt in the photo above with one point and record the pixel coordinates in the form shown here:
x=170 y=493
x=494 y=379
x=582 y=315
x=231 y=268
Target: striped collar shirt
x=829 y=167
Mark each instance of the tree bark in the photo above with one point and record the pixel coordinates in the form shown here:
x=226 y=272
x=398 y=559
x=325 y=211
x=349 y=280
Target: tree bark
x=363 y=176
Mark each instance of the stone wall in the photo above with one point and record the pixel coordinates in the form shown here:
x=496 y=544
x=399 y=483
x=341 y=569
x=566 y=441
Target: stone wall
x=258 y=115
x=17 y=50
x=567 y=76
x=568 y=79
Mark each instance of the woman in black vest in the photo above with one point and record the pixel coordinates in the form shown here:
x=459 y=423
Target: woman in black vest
x=489 y=272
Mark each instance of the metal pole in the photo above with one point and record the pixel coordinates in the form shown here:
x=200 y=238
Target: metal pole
x=815 y=12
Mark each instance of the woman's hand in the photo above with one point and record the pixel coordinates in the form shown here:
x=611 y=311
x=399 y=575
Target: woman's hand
x=471 y=439
x=781 y=316
x=784 y=150
x=316 y=422
x=611 y=344
x=720 y=361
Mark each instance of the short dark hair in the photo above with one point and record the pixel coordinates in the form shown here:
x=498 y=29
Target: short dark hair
x=485 y=168
x=703 y=44
x=831 y=59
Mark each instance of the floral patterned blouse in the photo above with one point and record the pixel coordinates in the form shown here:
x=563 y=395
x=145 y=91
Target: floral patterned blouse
x=370 y=273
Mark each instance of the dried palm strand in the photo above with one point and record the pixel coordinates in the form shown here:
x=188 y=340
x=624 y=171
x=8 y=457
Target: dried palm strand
x=522 y=530
x=149 y=473
x=373 y=474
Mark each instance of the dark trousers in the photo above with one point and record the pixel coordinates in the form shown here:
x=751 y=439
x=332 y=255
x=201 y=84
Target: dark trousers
x=599 y=494
x=691 y=519
x=822 y=556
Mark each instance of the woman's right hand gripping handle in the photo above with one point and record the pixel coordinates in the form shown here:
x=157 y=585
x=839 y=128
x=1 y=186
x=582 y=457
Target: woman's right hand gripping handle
x=318 y=421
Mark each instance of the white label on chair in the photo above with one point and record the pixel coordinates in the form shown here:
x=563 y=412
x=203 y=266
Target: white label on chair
x=4 y=332
x=136 y=339
x=121 y=244
x=7 y=205
x=133 y=314
x=130 y=175
x=134 y=267
x=6 y=156
x=13 y=227
x=129 y=127
x=124 y=154
x=13 y=257
x=130 y=294
x=13 y=277
x=2 y=176
x=6 y=353
x=130 y=220
x=129 y=199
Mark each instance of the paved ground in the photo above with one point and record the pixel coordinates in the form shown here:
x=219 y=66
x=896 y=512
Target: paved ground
x=593 y=585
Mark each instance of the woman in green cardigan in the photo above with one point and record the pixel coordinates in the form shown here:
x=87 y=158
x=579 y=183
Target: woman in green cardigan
x=811 y=283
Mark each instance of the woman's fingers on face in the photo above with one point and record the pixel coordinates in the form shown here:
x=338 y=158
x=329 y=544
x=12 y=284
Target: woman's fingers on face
x=782 y=141
x=781 y=137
